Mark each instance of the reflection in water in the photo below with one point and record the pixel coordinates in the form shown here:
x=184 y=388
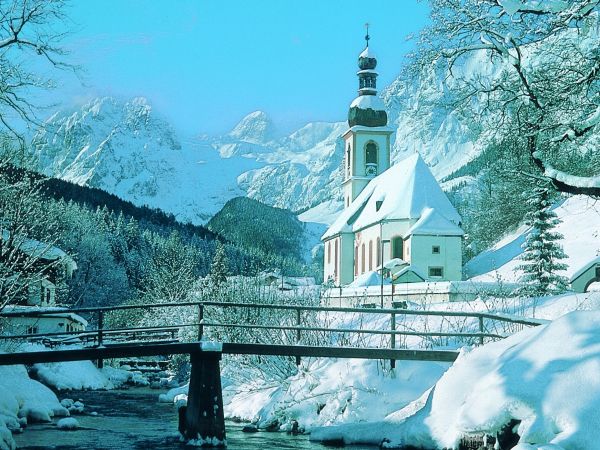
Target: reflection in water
x=133 y=419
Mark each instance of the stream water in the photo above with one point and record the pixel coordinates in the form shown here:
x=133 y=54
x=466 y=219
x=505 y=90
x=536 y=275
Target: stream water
x=133 y=419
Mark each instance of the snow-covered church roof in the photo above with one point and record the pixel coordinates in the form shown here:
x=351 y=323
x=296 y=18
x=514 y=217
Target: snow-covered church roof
x=432 y=223
x=407 y=190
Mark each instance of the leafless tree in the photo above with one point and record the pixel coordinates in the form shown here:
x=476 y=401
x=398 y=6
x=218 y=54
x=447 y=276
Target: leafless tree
x=524 y=67
x=30 y=32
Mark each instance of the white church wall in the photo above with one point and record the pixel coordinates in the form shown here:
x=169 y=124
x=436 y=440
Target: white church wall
x=386 y=233
x=339 y=259
x=431 y=253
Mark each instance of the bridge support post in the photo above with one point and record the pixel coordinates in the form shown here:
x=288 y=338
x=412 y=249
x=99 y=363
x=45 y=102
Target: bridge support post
x=204 y=417
x=100 y=362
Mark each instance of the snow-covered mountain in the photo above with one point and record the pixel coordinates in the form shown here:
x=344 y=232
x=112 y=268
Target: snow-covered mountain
x=128 y=149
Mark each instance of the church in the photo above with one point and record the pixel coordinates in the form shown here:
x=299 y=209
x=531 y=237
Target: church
x=395 y=216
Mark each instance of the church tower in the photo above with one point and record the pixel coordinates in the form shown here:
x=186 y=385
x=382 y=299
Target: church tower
x=367 y=141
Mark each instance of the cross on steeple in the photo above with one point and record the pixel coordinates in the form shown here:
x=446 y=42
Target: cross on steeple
x=367 y=37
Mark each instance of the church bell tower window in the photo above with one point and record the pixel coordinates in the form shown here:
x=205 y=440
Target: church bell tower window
x=371 y=159
x=348 y=169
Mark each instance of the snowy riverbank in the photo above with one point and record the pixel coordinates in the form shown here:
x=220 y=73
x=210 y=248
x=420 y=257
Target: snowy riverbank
x=24 y=400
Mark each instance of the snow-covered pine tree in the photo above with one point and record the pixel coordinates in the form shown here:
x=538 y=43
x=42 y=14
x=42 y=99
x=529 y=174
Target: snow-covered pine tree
x=542 y=250
x=218 y=268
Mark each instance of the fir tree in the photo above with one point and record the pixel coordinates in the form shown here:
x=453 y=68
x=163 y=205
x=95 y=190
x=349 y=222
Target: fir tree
x=218 y=268
x=542 y=251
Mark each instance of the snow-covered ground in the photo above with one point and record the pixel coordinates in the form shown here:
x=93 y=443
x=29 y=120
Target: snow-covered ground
x=372 y=399
x=544 y=378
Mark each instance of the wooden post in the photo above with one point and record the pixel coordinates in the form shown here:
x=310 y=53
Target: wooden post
x=298 y=322
x=393 y=339
x=100 y=362
x=204 y=418
x=480 y=330
x=200 y=321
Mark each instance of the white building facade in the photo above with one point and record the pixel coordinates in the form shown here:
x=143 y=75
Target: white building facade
x=396 y=214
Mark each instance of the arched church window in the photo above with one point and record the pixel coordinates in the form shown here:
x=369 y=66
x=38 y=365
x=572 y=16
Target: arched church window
x=329 y=252
x=335 y=257
x=362 y=254
x=378 y=252
x=397 y=247
x=371 y=159
x=356 y=261
x=370 y=255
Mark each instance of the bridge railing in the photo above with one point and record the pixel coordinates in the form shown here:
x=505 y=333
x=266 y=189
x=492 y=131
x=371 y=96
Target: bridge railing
x=290 y=324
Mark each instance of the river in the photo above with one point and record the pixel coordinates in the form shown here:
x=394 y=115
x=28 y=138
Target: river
x=133 y=419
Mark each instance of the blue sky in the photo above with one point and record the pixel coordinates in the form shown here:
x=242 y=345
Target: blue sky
x=204 y=64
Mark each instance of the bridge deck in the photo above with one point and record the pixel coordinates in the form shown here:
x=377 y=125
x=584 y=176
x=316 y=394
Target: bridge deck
x=156 y=349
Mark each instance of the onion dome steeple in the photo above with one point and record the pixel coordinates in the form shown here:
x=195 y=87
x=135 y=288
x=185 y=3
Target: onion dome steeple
x=367 y=109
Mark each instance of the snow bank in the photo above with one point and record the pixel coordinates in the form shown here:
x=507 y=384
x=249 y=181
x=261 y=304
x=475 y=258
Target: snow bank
x=78 y=375
x=170 y=396
x=544 y=377
x=325 y=392
x=368 y=279
x=21 y=400
x=75 y=375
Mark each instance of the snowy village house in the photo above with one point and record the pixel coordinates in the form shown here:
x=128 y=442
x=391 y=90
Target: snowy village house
x=396 y=215
x=38 y=293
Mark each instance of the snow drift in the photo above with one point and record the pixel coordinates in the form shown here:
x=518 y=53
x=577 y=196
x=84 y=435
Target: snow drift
x=544 y=377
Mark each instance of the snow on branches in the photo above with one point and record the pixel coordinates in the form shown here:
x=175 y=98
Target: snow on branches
x=525 y=68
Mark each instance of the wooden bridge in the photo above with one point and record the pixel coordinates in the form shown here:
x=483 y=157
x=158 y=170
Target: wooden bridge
x=214 y=329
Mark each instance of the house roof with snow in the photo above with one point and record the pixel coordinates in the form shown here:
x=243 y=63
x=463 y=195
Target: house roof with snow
x=584 y=268
x=40 y=250
x=407 y=190
x=408 y=274
x=432 y=223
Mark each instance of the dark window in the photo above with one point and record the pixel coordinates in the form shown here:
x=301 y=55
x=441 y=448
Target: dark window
x=397 y=247
x=329 y=252
x=348 y=168
x=370 y=255
x=32 y=330
x=436 y=272
x=435 y=249
x=378 y=252
x=371 y=153
x=378 y=204
x=356 y=261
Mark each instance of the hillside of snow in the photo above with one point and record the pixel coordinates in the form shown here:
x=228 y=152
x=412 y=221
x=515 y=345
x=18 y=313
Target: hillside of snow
x=580 y=227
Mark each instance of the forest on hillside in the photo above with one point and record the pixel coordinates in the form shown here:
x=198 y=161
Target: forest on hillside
x=126 y=253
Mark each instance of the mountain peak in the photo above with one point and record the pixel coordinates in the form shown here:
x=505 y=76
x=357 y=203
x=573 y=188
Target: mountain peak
x=256 y=127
